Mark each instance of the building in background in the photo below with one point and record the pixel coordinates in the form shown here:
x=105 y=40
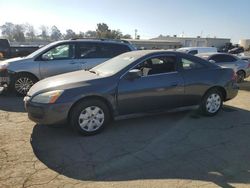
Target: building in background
x=195 y=42
x=154 y=44
x=245 y=43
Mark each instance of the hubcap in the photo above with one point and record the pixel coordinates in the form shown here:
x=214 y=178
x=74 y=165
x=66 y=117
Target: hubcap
x=23 y=85
x=213 y=103
x=91 y=118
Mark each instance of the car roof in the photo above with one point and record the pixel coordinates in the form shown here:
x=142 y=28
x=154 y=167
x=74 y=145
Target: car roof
x=152 y=52
x=110 y=41
x=212 y=53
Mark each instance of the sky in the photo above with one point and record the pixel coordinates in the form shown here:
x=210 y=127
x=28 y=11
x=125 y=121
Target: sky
x=191 y=18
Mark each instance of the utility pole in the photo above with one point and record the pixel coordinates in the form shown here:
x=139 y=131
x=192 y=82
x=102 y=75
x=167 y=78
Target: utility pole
x=136 y=33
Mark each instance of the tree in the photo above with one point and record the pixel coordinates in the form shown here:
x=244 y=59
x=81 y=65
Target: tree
x=80 y=35
x=44 y=35
x=30 y=32
x=55 y=33
x=103 y=31
x=114 y=34
x=91 y=34
x=8 y=30
x=127 y=36
x=18 y=34
x=69 y=34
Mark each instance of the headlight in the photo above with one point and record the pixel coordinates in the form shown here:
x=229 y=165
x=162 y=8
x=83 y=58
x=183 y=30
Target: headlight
x=3 y=67
x=48 y=97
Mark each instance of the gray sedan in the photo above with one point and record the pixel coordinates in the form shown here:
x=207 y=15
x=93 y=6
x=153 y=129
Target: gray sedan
x=240 y=66
x=134 y=82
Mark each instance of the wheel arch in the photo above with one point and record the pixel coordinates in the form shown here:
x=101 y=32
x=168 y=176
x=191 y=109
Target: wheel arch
x=15 y=74
x=221 y=89
x=93 y=97
x=242 y=70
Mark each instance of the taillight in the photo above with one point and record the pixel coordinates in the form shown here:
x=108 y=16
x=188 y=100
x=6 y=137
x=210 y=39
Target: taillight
x=234 y=76
x=248 y=66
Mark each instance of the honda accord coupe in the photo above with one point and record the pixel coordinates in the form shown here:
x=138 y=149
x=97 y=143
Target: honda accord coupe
x=131 y=83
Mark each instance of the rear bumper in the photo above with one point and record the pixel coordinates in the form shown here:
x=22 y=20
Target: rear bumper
x=232 y=91
x=47 y=114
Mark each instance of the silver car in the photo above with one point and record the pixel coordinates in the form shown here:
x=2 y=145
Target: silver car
x=240 y=66
x=57 y=58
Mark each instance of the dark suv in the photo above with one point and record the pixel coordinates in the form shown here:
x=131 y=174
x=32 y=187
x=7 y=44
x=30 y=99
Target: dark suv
x=57 y=58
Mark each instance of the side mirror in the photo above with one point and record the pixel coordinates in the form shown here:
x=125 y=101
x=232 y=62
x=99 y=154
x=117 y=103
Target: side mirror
x=212 y=61
x=46 y=57
x=133 y=74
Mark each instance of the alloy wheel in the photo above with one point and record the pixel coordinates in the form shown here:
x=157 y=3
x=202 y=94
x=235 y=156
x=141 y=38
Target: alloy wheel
x=23 y=84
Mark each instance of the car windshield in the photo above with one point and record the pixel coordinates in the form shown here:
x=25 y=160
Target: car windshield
x=116 y=64
x=37 y=52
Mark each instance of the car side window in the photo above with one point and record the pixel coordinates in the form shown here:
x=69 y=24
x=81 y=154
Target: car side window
x=157 y=65
x=101 y=50
x=65 y=51
x=193 y=52
x=223 y=58
x=187 y=64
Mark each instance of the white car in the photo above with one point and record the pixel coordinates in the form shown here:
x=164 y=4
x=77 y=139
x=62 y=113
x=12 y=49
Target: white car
x=197 y=50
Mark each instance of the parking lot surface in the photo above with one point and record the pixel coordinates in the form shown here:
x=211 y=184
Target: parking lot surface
x=177 y=149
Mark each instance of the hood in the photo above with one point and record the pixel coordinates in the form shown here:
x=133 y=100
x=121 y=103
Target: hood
x=63 y=81
x=12 y=60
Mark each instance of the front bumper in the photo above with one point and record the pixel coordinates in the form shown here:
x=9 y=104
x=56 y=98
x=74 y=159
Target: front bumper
x=47 y=114
x=5 y=79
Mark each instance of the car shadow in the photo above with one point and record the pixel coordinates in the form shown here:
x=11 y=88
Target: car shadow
x=180 y=145
x=11 y=103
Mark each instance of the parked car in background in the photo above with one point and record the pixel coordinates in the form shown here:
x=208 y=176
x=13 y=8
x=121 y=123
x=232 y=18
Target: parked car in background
x=245 y=58
x=7 y=51
x=197 y=50
x=236 y=50
x=57 y=58
x=134 y=82
x=241 y=67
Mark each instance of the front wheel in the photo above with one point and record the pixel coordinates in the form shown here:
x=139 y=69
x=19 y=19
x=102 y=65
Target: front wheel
x=211 y=102
x=89 y=117
x=22 y=83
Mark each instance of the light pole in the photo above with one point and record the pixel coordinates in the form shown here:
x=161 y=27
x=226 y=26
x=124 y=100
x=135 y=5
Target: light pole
x=136 y=33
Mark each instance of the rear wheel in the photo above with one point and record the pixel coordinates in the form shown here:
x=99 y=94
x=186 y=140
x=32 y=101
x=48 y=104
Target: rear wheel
x=211 y=102
x=240 y=76
x=23 y=82
x=89 y=117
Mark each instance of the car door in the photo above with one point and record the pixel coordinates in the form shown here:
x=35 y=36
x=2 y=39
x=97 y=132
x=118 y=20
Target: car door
x=160 y=86
x=197 y=78
x=57 y=60
x=225 y=60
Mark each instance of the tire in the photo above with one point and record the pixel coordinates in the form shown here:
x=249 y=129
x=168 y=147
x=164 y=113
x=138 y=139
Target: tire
x=211 y=103
x=89 y=117
x=240 y=76
x=22 y=83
